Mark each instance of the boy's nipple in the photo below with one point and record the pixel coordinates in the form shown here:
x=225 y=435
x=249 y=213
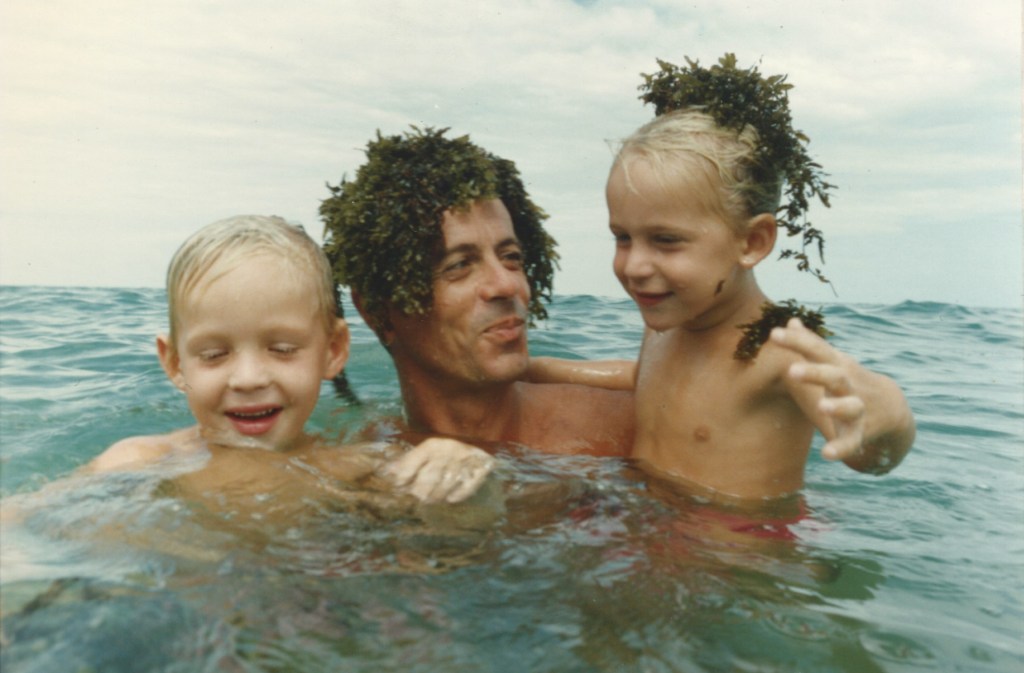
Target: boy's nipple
x=702 y=433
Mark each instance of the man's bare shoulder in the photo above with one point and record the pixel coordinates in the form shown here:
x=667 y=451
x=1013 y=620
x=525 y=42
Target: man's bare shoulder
x=138 y=452
x=571 y=415
x=574 y=395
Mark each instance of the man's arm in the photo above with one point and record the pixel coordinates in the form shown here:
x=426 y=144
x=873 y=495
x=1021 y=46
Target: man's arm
x=873 y=425
x=608 y=374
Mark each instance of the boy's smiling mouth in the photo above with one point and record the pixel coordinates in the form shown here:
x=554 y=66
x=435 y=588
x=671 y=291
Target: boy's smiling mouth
x=253 y=420
x=650 y=298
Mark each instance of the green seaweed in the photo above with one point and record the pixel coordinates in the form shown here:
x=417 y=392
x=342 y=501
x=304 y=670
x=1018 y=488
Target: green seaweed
x=736 y=98
x=383 y=233
x=773 y=315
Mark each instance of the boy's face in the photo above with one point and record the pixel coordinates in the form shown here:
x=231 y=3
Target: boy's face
x=676 y=258
x=475 y=331
x=251 y=351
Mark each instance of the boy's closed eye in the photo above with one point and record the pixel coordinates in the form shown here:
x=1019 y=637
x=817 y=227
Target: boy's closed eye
x=667 y=239
x=212 y=354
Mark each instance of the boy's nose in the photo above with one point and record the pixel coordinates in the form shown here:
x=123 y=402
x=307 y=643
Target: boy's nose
x=249 y=373
x=636 y=264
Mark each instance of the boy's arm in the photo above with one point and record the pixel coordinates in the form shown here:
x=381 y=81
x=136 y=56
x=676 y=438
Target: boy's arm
x=129 y=454
x=610 y=374
x=872 y=427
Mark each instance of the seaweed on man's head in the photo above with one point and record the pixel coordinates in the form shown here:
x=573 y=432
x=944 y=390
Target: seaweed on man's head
x=383 y=231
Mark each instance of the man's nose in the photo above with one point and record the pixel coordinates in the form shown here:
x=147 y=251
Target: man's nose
x=249 y=372
x=501 y=281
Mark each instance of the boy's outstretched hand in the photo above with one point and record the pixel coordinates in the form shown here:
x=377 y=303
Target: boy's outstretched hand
x=440 y=470
x=873 y=425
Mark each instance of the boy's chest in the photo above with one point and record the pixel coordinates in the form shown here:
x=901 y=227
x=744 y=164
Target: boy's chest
x=704 y=397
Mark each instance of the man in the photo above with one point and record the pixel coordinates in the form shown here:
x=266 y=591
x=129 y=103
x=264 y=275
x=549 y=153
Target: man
x=448 y=263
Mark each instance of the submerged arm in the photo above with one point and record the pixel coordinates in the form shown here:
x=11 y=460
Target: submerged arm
x=868 y=423
x=609 y=374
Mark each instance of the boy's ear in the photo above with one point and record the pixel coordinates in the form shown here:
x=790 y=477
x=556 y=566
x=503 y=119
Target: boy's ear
x=170 y=361
x=759 y=240
x=337 y=349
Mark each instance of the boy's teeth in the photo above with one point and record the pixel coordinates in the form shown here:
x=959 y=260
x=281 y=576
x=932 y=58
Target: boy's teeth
x=255 y=414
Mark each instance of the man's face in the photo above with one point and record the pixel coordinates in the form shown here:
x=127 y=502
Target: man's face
x=475 y=333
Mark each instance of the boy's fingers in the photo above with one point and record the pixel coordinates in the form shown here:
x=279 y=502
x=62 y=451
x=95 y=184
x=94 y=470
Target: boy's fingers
x=831 y=378
x=402 y=470
x=471 y=482
x=849 y=409
x=798 y=338
x=443 y=470
x=847 y=415
x=841 y=448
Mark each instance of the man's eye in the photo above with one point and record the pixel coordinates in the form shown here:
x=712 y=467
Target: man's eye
x=455 y=267
x=667 y=240
x=514 y=258
x=621 y=239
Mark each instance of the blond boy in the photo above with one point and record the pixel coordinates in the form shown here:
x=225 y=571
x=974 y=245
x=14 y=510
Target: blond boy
x=253 y=333
x=687 y=239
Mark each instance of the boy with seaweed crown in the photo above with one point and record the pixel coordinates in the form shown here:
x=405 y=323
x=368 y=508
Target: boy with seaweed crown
x=693 y=199
x=254 y=330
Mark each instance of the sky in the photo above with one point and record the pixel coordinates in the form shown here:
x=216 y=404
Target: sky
x=126 y=125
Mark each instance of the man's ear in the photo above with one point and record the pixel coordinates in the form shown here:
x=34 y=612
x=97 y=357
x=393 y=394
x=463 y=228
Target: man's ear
x=170 y=361
x=759 y=239
x=380 y=325
x=337 y=349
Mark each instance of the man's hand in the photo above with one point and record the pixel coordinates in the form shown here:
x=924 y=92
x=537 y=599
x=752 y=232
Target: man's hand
x=872 y=425
x=440 y=470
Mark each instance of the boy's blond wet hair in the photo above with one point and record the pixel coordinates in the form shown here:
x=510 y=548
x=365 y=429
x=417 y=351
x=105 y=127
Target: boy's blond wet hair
x=689 y=147
x=222 y=245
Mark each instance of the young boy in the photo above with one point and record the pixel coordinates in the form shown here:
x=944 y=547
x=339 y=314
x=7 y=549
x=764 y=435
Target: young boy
x=686 y=202
x=253 y=333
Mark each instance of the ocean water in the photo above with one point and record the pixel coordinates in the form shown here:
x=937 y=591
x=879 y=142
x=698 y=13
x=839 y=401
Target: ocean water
x=597 y=569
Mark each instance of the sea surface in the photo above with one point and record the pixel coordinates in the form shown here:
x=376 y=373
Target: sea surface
x=594 y=568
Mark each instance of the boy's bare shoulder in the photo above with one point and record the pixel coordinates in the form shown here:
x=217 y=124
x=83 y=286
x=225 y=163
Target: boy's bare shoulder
x=134 y=453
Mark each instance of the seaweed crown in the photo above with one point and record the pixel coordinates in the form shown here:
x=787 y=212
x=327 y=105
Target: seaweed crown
x=737 y=99
x=383 y=230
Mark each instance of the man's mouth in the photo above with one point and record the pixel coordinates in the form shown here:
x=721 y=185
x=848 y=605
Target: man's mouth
x=508 y=329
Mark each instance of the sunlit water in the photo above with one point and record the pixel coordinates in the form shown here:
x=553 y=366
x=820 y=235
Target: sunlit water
x=597 y=570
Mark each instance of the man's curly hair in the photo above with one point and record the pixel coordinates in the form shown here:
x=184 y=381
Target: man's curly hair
x=382 y=230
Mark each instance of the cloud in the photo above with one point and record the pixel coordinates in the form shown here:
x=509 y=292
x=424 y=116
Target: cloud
x=127 y=125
